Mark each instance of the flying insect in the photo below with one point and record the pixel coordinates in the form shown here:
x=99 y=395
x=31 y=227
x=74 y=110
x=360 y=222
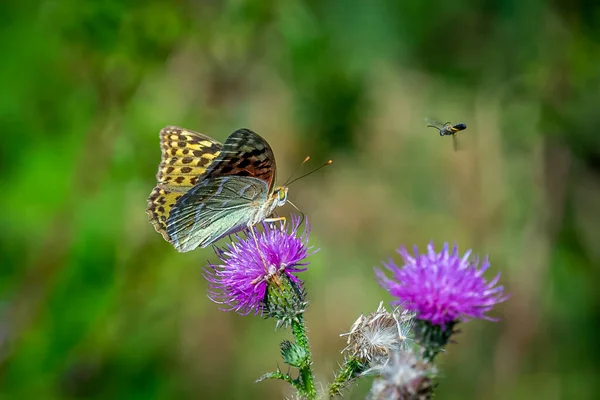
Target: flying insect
x=447 y=129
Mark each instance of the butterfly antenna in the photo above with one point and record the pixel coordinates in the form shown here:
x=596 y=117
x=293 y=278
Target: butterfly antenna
x=293 y=205
x=309 y=173
x=296 y=170
x=301 y=213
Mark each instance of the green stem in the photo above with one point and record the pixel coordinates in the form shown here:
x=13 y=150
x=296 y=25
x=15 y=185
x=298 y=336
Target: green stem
x=347 y=374
x=306 y=375
x=280 y=375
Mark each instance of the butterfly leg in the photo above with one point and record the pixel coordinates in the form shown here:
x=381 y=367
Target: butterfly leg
x=275 y=219
x=258 y=247
x=230 y=237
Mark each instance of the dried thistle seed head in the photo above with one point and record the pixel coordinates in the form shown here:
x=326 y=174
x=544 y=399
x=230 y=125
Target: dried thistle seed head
x=374 y=336
x=403 y=377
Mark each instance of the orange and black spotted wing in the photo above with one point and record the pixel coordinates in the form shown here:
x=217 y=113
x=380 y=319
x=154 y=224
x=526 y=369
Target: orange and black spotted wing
x=244 y=153
x=185 y=156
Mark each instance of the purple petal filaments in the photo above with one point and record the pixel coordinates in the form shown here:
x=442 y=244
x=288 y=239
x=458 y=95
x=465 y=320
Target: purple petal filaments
x=249 y=264
x=441 y=287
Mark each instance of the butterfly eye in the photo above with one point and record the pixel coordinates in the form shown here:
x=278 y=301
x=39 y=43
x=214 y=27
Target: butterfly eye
x=282 y=195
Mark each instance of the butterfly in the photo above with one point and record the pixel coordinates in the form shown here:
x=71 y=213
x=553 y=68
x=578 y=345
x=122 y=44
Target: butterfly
x=207 y=190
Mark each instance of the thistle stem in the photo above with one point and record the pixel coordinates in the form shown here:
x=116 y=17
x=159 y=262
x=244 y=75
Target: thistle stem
x=306 y=376
x=348 y=372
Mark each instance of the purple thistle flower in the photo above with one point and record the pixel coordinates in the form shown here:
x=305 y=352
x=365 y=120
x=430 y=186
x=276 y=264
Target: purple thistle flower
x=247 y=270
x=442 y=287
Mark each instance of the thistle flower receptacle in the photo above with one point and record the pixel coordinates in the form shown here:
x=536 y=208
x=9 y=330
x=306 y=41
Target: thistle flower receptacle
x=260 y=265
x=442 y=287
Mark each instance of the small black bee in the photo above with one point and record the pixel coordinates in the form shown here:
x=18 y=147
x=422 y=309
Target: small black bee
x=447 y=129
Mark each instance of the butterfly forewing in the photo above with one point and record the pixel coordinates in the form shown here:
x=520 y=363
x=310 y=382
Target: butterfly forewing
x=185 y=155
x=215 y=208
x=245 y=153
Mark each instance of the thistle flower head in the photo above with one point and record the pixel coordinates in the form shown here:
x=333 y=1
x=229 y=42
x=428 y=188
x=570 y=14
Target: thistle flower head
x=442 y=287
x=253 y=263
x=373 y=337
x=403 y=377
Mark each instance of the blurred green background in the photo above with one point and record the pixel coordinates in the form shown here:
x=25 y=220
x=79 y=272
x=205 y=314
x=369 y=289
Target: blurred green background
x=95 y=304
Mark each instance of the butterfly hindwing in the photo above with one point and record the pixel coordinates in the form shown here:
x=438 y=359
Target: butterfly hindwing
x=160 y=203
x=213 y=209
x=185 y=155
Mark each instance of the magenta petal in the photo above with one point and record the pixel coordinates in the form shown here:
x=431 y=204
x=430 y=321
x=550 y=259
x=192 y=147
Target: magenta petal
x=441 y=287
x=240 y=281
